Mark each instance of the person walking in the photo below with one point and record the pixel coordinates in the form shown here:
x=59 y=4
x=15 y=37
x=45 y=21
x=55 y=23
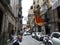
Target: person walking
x=14 y=38
x=16 y=42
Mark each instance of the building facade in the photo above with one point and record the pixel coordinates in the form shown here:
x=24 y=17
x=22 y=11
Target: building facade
x=38 y=12
x=56 y=13
x=51 y=16
x=33 y=11
x=8 y=20
x=20 y=17
x=31 y=17
x=49 y=11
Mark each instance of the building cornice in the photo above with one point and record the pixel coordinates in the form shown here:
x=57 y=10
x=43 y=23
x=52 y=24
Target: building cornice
x=7 y=7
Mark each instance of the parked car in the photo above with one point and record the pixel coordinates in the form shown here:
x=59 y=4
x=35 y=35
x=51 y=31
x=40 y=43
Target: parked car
x=26 y=33
x=33 y=34
x=54 y=39
x=37 y=35
x=43 y=38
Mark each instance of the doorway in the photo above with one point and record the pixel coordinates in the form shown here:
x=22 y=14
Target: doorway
x=58 y=11
x=10 y=30
x=1 y=19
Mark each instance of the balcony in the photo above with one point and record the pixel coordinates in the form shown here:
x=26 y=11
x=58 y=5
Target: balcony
x=20 y=8
x=20 y=16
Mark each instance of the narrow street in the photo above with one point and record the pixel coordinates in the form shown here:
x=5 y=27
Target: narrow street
x=29 y=22
x=28 y=40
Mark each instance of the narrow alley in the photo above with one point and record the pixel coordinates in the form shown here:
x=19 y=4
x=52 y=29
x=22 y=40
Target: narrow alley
x=29 y=22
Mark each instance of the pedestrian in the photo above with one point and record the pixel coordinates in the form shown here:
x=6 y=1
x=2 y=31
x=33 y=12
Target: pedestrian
x=14 y=38
x=16 y=42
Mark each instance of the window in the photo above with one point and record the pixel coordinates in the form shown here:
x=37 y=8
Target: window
x=58 y=11
x=38 y=6
x=20 y=8
x=20 y=0
x=31 y=7
x=58 y=26
x=37 y=1
x=39 y=28
x=43 y=0
x=55 y=35
x=8 y=1
x=34 y=2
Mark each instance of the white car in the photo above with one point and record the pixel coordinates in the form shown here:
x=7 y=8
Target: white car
x=27 y=33
x=54 y=39
x=37 y=35
x=33 y=34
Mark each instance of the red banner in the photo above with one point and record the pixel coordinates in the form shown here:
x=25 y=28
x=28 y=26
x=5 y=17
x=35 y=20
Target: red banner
x=39 y=21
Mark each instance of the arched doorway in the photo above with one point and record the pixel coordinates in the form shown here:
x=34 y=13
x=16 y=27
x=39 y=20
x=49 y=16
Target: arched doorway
x=1 y=18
